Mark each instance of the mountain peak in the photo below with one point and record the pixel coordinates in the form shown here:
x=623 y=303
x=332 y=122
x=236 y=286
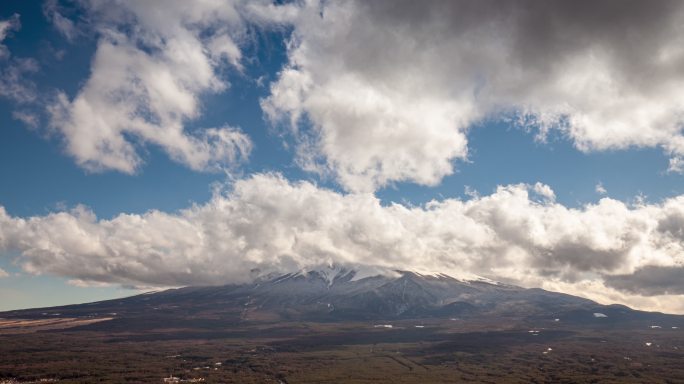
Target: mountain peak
x=332 y=273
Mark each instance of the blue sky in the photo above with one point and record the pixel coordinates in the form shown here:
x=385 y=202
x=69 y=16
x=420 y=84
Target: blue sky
x=42 y=174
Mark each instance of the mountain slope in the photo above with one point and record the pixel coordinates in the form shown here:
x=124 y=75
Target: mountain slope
x=342 y=295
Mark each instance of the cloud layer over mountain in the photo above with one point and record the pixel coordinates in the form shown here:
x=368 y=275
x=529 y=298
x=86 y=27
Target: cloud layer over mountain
x=517 y=234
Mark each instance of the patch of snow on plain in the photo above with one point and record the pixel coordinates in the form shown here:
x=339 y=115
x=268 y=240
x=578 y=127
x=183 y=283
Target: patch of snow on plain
x=599 y=314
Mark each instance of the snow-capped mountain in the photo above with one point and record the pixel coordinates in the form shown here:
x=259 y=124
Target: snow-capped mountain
x=339 y=294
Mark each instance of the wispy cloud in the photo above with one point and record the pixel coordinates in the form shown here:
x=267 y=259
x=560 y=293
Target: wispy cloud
x=64 y=25
x=6 y=27
x=676 y=165
x=13 y=71
x=600 y=189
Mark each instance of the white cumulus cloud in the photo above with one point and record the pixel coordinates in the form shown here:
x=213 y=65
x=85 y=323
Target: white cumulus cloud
x=153 y=64
x=384 y=91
